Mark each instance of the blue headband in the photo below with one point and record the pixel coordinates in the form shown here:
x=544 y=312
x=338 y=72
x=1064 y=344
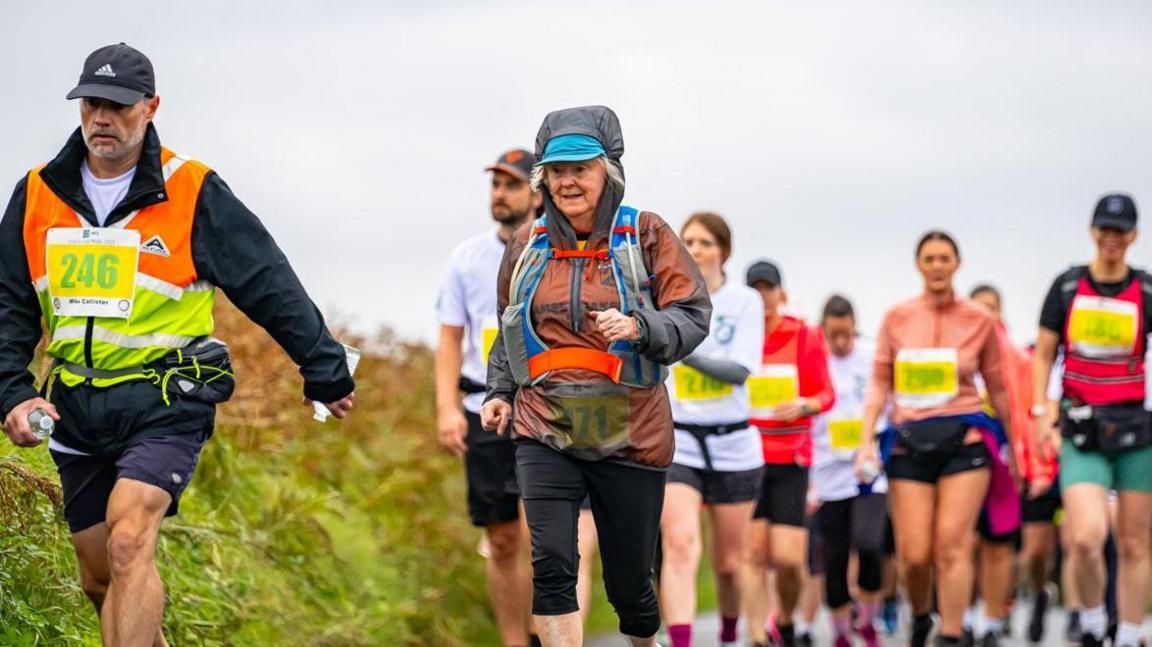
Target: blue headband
x=571 y=148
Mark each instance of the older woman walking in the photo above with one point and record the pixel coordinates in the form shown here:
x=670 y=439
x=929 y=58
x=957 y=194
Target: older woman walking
x=596 y=300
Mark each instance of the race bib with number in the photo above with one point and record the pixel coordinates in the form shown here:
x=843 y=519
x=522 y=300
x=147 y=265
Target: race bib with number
x=487 y=338
x=845 y=435
x=772 y=386
x=92 y=271
x=926 y=377
x=692 y=385
x=1103 y=327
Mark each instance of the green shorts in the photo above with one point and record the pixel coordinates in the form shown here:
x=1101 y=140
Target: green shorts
x=1128 y=471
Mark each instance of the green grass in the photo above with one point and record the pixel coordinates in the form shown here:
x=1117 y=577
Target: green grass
x=292 y=532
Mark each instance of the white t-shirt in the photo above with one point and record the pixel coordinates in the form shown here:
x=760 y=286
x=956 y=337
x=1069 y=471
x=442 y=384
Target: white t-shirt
x=832 y=468
x=105 y=195
x=737 y=334
x=468 y=298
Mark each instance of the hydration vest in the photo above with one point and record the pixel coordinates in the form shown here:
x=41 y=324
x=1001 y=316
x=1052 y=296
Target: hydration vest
x=1104 y=340
x=530 y=359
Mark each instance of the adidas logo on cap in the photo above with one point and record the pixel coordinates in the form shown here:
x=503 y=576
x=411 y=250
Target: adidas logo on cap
x=105 y=70
x=155 y=245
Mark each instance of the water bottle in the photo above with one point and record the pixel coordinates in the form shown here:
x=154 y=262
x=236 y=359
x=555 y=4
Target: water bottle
x=41 y=423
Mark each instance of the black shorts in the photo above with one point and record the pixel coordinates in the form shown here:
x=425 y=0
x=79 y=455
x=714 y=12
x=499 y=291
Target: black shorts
x=783 y=493
x=718 y=487
x=166 y=462
x=127 y=431
x=905 y=463
x=490 y=465
x=1043 y=508
x=107 y=421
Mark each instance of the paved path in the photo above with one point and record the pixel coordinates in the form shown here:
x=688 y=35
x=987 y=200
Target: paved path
x=708 y=626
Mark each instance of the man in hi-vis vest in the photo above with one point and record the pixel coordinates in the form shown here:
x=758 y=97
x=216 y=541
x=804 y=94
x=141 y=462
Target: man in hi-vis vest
x=118 y=245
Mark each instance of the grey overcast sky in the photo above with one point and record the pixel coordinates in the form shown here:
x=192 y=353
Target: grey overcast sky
x=831 y=134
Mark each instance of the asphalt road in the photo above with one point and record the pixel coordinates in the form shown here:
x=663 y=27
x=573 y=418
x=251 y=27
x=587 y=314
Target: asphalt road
x=707 y=627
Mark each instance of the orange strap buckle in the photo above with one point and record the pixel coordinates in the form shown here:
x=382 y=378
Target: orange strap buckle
x=587 y=359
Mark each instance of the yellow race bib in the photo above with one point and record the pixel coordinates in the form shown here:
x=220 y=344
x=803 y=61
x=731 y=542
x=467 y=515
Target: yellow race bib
x=693 y=386
x=772 y=386
x=926 y=377
x=1101 y=327
x=487 y=339
x=845 y=435
x=92 y=271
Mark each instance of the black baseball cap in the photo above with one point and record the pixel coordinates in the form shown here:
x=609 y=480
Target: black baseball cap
x=517 y=162
x=117 y=73
x=764 y=271
x=1115 y=211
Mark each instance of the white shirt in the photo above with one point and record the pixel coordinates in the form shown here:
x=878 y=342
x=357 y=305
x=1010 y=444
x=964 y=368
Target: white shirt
x=737 y=334
x=833 y=473
x=468 y=299
x=105 y=195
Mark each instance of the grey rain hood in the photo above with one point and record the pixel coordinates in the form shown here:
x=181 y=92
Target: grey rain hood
x=598 y=122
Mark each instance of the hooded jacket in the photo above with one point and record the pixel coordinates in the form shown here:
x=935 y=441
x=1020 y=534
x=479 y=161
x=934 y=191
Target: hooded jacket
x=569 y=289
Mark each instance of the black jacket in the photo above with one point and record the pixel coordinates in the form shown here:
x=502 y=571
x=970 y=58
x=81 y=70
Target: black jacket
x=231 y=249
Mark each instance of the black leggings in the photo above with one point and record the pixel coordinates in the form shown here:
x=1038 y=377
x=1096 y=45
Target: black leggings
x=858 y=522
x=626 y=504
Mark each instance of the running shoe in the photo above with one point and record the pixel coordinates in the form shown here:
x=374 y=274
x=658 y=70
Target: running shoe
x=1039 y=610
x=990 y=639
x=787 y=635
x=1088 y=640
x=1074 y=633
x=868 y=635
x=804 y=640
x=968 y=638
x=842 y=641
x=922 y=627
x=890 y=616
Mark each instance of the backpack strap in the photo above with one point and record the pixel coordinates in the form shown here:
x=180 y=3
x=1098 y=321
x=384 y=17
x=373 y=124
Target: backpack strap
x=1069 y=283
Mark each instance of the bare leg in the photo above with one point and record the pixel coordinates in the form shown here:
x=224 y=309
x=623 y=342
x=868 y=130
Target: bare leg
x=560 y=631
x=789 y=551
x=912 y=505
x=997 y=577
x=958 y=501
x=1133 y=535
x=729 y=531
x=506 y=580
x=755 y=579
x=133 y=607
x=586 y=542
x=1086 y=525
x=680 y=530
x=1039 y=544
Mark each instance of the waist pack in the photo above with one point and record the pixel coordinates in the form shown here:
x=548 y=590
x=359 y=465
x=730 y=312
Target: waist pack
x=701 y=432
x=933 y=436
x=1111 y=428
x=201 y=371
